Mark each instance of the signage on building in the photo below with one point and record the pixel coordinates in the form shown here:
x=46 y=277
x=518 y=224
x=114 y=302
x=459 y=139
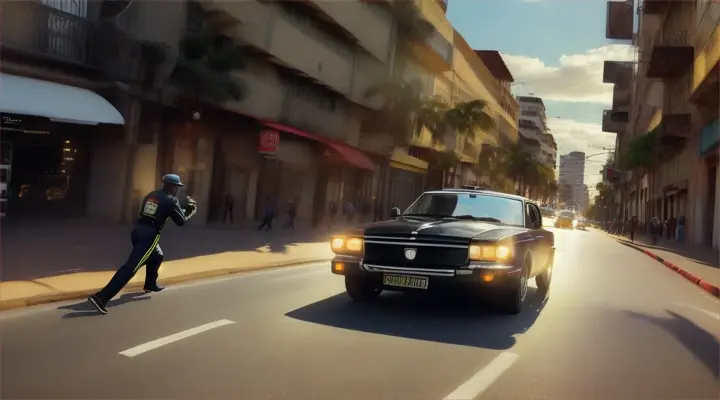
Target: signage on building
x=25 y=123
x=269 y=142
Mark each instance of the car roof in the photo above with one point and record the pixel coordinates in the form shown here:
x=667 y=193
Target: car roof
x=482 y=192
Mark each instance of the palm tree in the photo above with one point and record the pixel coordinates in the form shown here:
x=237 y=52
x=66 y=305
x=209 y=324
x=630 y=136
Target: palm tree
x=469 y=118
x=206 y=60
x=402 y=102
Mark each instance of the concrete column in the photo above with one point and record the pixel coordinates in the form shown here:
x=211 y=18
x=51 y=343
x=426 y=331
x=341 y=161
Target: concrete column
x=193 y=159
x=716 y=222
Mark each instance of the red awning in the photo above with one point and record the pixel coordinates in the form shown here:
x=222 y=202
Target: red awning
x=350 y=154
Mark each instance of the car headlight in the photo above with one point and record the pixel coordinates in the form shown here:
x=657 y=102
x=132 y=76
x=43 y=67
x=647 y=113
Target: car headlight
x=343 y=244
x=489 y=252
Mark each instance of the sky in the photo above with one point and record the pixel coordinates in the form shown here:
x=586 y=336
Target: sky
x=555 y=50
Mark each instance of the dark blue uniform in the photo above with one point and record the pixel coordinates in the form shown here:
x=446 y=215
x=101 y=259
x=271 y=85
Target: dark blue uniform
x=156 y=208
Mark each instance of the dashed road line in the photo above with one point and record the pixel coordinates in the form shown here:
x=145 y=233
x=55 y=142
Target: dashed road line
x=482 y=379
x=145 y=347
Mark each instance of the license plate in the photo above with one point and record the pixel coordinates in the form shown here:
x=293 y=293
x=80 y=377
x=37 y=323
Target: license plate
x=408 y=281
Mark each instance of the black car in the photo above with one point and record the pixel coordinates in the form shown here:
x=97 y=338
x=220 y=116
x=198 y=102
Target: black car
x=451 y=239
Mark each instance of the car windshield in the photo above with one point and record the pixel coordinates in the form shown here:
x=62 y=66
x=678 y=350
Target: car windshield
x=469 y=205
x=567 y=214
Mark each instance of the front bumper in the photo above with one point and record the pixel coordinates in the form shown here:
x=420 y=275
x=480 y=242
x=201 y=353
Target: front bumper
x=473 y=276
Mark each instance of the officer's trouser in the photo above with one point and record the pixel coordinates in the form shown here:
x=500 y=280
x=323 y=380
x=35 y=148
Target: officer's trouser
x=146 y=251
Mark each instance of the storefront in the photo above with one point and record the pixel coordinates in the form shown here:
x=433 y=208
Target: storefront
x=320 y=174
x=709 y=143
x=47 y=132
x=407 y=176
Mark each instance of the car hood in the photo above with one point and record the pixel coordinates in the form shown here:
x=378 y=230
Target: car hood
x=449 y=228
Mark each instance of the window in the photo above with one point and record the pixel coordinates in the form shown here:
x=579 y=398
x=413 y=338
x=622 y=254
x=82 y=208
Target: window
x=509 y=211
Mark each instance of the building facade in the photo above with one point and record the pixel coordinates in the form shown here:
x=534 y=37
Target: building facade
x=532 y=112
x=674 y=102
x=571 y=177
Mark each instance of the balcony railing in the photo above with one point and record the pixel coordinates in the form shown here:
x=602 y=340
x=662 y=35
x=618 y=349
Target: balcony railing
x=313 y=113
x=618 y=72
x=36 y=30
x=671 y=54
x=611 y=122
x=619 y=24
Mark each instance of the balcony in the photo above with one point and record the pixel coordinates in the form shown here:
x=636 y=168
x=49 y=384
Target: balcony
x=621 y=98
x=32 y=30
x=436 y=53
x=671 y=54
x=315 y=112
x=674 y=129
x=655 y=7
x=618 y=72
x=615 y=122
x=619 y=24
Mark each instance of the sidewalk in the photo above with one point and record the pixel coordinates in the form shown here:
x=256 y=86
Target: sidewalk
x=698 y=264
x=73 y=261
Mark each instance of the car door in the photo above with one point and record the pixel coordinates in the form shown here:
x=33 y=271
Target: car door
x=539 y=238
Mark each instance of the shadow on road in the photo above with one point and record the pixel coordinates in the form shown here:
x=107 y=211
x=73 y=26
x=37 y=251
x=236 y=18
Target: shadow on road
x=426 y=318
x=699 y=342
x=85 y=309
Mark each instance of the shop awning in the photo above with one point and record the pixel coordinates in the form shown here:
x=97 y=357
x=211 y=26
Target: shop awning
x=60 y=103
x=350 y=154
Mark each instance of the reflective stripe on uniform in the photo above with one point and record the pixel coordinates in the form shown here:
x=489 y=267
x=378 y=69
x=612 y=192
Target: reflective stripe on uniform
x=144 y=258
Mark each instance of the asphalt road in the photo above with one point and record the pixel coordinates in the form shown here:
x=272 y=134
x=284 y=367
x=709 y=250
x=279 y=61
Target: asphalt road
x=617 y=325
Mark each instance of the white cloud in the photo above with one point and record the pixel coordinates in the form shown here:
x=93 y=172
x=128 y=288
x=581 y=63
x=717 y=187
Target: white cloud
x=577 y=136
x=576 y=78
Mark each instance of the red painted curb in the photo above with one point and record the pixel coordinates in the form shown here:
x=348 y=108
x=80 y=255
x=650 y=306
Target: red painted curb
x=706 y=286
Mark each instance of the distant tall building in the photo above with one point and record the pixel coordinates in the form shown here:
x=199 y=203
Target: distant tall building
x=572 y=177
x=535 y=134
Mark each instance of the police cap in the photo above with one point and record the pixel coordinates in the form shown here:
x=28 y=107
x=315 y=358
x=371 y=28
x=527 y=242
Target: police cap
x=172 y=180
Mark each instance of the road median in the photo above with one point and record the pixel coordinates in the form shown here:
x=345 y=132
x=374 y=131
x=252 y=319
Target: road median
x=17 y=294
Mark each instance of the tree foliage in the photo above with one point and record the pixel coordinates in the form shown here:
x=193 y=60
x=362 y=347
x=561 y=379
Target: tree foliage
x=640 y=151
x=515 y=164
x=405 y=111
x=207 y=59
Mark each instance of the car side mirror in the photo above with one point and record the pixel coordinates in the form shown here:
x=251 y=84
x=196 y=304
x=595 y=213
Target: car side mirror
x=395 y=212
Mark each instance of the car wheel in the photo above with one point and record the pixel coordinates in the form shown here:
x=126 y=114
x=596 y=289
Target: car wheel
x=513 y=299
x=543 y=280
x=360 y=289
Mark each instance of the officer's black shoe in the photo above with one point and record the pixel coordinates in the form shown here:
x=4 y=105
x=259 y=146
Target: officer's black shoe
x=98 y=304
x=155 y=288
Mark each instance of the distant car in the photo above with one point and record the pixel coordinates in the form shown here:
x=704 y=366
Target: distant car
x=547 y=212
x=581 y=223
x=566 y=219
x=450 y=240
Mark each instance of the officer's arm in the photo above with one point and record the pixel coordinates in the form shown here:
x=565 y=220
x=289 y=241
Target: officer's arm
x=178 y=214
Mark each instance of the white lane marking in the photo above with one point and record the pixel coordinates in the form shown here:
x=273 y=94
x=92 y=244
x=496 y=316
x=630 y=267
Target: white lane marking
x=702 y=310
x=482 y=379
x=145 y=347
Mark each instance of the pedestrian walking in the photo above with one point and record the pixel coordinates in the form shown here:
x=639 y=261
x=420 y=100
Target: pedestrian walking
x=291 y=214
x=156 y=208
x=268 y=215
x=633 y=228
x=228 y=205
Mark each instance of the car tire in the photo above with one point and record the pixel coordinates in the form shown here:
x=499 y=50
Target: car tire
x=543 y=280
x=360 y=290
x=512 y=300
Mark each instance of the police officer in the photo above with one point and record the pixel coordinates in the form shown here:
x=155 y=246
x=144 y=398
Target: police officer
x=156 y=208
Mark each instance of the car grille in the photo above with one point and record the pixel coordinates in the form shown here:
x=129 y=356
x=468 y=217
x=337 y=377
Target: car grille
x=429 y=254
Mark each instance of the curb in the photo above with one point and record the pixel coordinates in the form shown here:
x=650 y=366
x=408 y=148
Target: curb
x=81 y=294
x=704 y=285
